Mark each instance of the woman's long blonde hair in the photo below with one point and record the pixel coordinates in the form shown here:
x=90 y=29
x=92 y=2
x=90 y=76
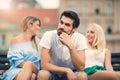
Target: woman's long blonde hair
x=99 y=41
x=31 y=20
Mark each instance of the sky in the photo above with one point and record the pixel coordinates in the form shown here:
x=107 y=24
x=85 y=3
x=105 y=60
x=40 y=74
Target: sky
x=5 y=4
x=49 y=3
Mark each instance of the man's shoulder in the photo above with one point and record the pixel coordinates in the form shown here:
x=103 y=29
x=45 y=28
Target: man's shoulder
x=78 y=34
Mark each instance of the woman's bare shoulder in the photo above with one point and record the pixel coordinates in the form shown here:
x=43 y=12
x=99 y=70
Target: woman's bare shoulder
x=15 y=39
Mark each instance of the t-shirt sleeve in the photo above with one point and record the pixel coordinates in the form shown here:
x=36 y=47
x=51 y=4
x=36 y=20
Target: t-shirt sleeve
x=45 y=40
x=81 y=42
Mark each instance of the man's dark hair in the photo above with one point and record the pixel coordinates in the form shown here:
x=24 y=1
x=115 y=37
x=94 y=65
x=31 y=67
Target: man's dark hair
x=72 y=15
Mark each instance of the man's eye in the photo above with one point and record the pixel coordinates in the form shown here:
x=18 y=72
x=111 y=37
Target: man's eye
x=67 y=24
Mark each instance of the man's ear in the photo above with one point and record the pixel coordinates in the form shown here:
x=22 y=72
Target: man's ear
x=74 y=29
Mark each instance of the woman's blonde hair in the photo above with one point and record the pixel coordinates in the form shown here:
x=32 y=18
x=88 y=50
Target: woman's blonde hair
x=30 y=20
x=99 y=41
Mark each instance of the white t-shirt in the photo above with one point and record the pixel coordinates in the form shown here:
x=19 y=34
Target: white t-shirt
x=92 y=60
x=60 y=54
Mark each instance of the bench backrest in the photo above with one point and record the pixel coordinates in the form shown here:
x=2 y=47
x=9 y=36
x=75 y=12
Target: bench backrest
x=4 y=62
x=115 y=60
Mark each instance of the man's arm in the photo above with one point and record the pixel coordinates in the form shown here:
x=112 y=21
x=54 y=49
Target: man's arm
x=78 y=57
x=46 y=65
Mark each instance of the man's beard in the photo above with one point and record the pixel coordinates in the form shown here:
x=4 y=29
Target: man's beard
x=59 y=31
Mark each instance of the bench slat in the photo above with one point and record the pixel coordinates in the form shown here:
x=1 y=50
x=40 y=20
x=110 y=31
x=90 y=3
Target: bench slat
x=116 y=68
x=115 y=55
x=4 y=60
x=4 y=67
x=115 y=60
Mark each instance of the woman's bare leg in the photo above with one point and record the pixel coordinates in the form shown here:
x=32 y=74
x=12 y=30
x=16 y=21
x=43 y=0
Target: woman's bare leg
x=18 y=76
x=103 y=75
x=26 y=72
x=43 y=75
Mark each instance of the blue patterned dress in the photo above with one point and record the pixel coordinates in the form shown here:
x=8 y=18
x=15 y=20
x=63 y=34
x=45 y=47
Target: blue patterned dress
x=18 y=53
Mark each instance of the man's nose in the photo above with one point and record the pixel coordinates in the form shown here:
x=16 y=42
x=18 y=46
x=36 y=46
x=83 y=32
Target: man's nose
x=62 y=25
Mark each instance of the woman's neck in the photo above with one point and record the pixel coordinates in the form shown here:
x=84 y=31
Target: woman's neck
x=26 y=36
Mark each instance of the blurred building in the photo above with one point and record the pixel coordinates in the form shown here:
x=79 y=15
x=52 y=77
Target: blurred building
x=24 y=3
x=103 y=12
x=10 y=22
x=12 y=13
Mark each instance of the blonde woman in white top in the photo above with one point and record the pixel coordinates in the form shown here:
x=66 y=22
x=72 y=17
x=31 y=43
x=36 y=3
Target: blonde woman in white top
x=98 y=58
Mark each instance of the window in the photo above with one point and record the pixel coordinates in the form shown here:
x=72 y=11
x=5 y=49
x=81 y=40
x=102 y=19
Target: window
x=72 y=5
x=85 y=8
x=109 y=8
x=109 y=28
x=97 y=8
x=2 y=41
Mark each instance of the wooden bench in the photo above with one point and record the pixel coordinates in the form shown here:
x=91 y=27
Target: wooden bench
x=4 y=62
x=115 y=60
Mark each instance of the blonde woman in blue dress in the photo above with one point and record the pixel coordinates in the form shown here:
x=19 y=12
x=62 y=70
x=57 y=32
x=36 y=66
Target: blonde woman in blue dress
x=98 y=57
x=23 y=52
